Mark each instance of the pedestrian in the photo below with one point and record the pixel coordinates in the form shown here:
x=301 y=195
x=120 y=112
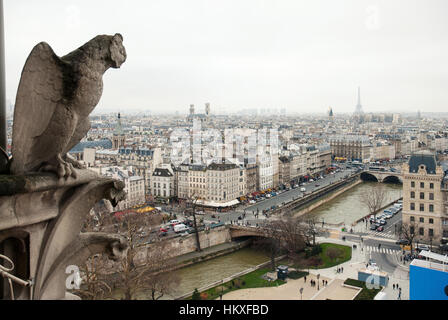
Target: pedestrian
x=304 y=278
x=393 y=286
x=342 y=269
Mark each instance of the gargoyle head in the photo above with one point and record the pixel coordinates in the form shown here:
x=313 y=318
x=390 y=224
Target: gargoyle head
x=117 y=250
x=117 y=51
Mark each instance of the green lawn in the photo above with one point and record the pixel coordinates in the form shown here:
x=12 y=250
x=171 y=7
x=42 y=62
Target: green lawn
x=250 y=280
x=365 y=294
x=322 y=260
x=327 y=262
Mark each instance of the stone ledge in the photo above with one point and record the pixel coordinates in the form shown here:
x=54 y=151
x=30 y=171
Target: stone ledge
x=36 y=182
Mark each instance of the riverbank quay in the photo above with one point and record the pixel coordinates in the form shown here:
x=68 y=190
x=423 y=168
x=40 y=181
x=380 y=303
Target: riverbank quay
x=376 y=212
x=313 y=200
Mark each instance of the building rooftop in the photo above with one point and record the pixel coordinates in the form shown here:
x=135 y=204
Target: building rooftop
x=425 y=158
x=103 y=144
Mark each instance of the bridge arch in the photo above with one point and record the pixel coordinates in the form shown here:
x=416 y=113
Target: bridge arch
x=392 y=179
x=365 y=176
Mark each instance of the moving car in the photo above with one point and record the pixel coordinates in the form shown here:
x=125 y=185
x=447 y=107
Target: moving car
x=402 y=242
x=380 y=229
x=422 y=246
x=374 y=226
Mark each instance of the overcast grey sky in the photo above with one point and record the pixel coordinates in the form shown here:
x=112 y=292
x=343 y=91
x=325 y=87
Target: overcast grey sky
x=301 y=55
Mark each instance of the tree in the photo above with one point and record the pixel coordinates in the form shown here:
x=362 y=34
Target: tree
x=286 y=235
x=95 y=282
x=407 y=231
x=145 y=267
x=309 y=231
x=196 y=295
x=373 y=198
x=192 y=201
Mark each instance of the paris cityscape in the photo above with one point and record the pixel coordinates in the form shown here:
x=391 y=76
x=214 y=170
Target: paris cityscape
x=242 y=175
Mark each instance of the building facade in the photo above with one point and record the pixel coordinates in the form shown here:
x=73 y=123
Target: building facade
x=425 y=198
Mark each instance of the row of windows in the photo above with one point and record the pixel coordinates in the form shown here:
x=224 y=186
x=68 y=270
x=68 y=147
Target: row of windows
x=422 y=219
x=422 y=185
x=422 y=195
x=422 y=207
x=157 y=185
x=421 y=231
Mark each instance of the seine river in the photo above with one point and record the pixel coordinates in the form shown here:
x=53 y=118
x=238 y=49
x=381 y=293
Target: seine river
x=204 y=273
x=347 y=207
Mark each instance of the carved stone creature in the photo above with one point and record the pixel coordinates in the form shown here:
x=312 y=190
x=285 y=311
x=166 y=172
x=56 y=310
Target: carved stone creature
x=54 y=100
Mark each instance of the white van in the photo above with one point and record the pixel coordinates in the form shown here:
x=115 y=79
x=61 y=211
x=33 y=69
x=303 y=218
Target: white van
x=302 y=189
x=180 y=228
x=174 y=222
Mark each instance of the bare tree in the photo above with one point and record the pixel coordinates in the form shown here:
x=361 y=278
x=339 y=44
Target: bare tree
x=373 y=198
x=144 y=266
x=95 y=282
x=138 y=269
x=192 y=201
x=309 y=231
x=407 y=231
x=284 y=235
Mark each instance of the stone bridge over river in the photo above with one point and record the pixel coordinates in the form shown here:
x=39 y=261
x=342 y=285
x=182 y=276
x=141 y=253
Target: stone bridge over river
x=381 y=176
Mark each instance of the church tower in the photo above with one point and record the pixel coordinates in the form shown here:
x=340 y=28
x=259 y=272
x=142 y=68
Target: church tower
x=119 y=137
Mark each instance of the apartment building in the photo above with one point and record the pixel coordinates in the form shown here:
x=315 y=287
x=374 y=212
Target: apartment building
x=352 y=147
x=162 y=183
x=425 y=198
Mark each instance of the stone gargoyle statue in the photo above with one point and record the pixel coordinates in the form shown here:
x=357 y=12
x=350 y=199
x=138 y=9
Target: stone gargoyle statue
x=45 y=195
x=54 y=100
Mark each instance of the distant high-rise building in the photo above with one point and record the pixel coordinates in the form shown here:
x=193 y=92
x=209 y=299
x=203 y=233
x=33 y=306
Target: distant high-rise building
x=358 y=110
x=207 y=108
x=191 y=109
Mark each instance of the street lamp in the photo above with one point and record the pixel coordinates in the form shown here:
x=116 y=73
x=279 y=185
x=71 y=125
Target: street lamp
x=318 y=276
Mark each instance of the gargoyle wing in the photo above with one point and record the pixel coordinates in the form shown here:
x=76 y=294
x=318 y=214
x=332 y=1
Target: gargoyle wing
x=41 y=90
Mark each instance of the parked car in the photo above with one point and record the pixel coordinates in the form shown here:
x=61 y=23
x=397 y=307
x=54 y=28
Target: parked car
x=381 y=222
x=180 y=228
x=444 y=247
x=380 y=229
x=303 y=189
x=252 y=201
x=374 y=226
x=174 y=222
x=163 y=230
